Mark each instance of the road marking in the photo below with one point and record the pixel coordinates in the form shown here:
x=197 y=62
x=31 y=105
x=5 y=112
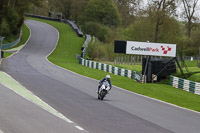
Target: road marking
x=1 y=131
x=23 y=45
x=15 y=86
x=130 y=91
x=117 y=86
x=79 y=128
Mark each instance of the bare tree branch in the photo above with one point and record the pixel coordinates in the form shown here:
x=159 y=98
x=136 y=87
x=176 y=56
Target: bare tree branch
x=189 y=8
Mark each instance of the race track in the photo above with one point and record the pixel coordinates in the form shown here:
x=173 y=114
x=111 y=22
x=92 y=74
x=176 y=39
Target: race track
x=18 y=115
x=75 y=96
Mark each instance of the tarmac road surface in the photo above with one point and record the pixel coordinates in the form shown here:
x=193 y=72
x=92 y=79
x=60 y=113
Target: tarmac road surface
x=18 y=115
x=75 y=96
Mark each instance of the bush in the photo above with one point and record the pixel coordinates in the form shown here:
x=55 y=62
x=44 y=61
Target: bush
x=4 y=28
x=189 y=46
x=140 y=30
x=101 y=51
x=101 y=11
x=13 y=20
x=91 y=28
x=104 y=34
x=100 y=31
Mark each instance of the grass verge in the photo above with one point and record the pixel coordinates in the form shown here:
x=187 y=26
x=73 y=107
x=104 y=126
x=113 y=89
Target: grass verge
x=194 y=71
x=25 y=36
x=69 y=45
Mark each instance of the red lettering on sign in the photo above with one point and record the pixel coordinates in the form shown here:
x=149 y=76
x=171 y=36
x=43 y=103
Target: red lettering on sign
x=154 y=50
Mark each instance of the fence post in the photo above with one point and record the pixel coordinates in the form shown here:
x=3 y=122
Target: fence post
x=121 y=59
x=117 y=60
x=125 y=60
x=131 y=60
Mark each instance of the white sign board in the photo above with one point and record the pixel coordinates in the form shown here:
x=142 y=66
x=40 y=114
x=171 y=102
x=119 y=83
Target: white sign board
x=155 y=49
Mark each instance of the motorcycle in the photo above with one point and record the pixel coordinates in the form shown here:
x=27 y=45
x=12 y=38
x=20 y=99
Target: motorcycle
x=103 y=90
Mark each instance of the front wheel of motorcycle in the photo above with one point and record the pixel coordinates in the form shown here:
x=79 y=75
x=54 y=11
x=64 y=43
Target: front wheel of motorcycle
x=102 y=98
x=103 y=94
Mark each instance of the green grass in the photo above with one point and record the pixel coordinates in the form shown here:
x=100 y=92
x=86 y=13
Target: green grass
x=137 y=68
x=6 y=54
x=25 y=36
x=195 y=77
x=191 y=63
x=9 y=38
x=194 y=71
x=69 y=45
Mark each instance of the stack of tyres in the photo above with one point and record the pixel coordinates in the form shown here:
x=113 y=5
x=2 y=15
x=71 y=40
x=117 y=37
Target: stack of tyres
x=155 y=65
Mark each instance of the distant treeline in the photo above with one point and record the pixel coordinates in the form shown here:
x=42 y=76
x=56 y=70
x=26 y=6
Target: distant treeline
x=138 y=20
x=12 y=15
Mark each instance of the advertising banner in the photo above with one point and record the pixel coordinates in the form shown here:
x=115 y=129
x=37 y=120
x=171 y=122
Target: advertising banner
x=155 y=49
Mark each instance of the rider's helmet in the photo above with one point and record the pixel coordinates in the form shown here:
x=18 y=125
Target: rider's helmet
x=107 y=77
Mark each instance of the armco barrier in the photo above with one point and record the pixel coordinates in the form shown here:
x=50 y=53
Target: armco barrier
x=42 y=17
x=12 y=44
x=110 y=69
x=71 y=23
x=189 y=86
x=85 y=45
x=74 y=27
x=9 y=45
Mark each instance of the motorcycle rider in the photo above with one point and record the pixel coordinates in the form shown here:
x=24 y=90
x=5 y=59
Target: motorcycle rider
x=107 y=78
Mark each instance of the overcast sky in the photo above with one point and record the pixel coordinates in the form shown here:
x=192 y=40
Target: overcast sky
x=180 y=9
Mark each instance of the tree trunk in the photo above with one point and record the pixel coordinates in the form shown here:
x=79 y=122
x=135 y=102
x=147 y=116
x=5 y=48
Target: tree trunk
x=157 y=32
x=189 y=27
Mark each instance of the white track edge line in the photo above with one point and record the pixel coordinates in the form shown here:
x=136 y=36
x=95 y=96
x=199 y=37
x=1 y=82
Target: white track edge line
x=24 y=43
x=58 y=114
x=131 y=91
x=119 y=87
x=1 y=131
x=20 y=48
x=79 y=128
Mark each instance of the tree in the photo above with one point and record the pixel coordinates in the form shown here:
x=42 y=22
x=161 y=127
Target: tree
x=157 y=11
x=63 y=6
x=142 y=29
x=101 y=11
x=12 y=14
x=77 y=8
x=1 y=11
x=189 y=10
x=128 y=9
x=71 y=9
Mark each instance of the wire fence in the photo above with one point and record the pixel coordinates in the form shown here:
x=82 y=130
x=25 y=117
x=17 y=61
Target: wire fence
x=137 y=59
x=12 y=44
